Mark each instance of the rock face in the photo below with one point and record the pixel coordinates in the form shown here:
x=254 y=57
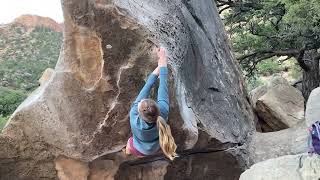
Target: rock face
x=116 y=166
x=293 y=167
x=34 y=20
x=278 y=104
x=82 y=112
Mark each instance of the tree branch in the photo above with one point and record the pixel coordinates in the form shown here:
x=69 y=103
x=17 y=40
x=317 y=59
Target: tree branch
x=224 y=8
x=251 y=60
x=269 y=53
x=243 y=6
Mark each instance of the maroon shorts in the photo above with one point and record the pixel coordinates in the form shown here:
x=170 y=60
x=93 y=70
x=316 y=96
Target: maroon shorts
x=132 y=149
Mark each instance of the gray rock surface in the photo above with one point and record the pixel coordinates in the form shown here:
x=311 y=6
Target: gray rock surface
x=275 y=81
x=313 y=107
x=293 y=167
x=269 y=145
x=277 y=104
x=281 y=107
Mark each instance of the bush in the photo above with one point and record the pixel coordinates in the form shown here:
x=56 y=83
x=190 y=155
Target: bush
x=3 y=121
x=10 y=100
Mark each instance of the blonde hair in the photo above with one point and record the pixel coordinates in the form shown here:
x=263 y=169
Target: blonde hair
x=149 y=110
x=166 y=140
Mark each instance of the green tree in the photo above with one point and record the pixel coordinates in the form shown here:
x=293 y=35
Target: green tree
x=263 y=29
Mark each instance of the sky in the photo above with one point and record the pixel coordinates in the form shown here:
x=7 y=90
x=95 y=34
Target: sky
x=10 y=9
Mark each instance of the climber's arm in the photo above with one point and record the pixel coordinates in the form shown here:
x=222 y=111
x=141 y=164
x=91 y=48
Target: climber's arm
x=145 y=91
x=163 y=96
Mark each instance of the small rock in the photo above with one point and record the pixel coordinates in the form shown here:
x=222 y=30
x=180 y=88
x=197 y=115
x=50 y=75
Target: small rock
x=46 y=76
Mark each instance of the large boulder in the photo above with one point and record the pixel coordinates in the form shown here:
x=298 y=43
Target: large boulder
x=82 y=111
x=282 y=106
x=293 y=167
x=313 y=107
x=273 y=82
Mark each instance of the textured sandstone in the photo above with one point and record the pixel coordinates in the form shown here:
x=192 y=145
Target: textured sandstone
x=69 y=169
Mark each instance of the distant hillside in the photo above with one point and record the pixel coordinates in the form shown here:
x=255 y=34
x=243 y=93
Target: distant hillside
x=34 y=21
x=27 y=48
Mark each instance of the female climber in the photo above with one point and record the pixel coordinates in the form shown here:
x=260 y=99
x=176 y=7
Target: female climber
x=148 y=119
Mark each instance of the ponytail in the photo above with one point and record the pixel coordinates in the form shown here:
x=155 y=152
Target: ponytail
x=166 y=140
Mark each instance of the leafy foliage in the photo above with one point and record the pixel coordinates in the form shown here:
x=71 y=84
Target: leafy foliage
x=10 y=100
x=269 y=66
x=266 y=28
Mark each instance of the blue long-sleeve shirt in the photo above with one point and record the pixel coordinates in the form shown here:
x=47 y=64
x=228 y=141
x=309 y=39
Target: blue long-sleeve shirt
x=146 y=135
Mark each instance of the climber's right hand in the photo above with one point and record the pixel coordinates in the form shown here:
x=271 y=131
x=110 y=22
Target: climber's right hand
x=161 y=52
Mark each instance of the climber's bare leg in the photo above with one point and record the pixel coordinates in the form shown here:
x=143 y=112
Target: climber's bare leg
x=126 y=149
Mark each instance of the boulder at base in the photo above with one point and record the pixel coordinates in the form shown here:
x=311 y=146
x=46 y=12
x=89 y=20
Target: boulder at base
x=290 y=167
x=282 y=106
x=313 y=107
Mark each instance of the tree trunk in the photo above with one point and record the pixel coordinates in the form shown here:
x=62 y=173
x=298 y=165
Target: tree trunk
x=311 y=77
